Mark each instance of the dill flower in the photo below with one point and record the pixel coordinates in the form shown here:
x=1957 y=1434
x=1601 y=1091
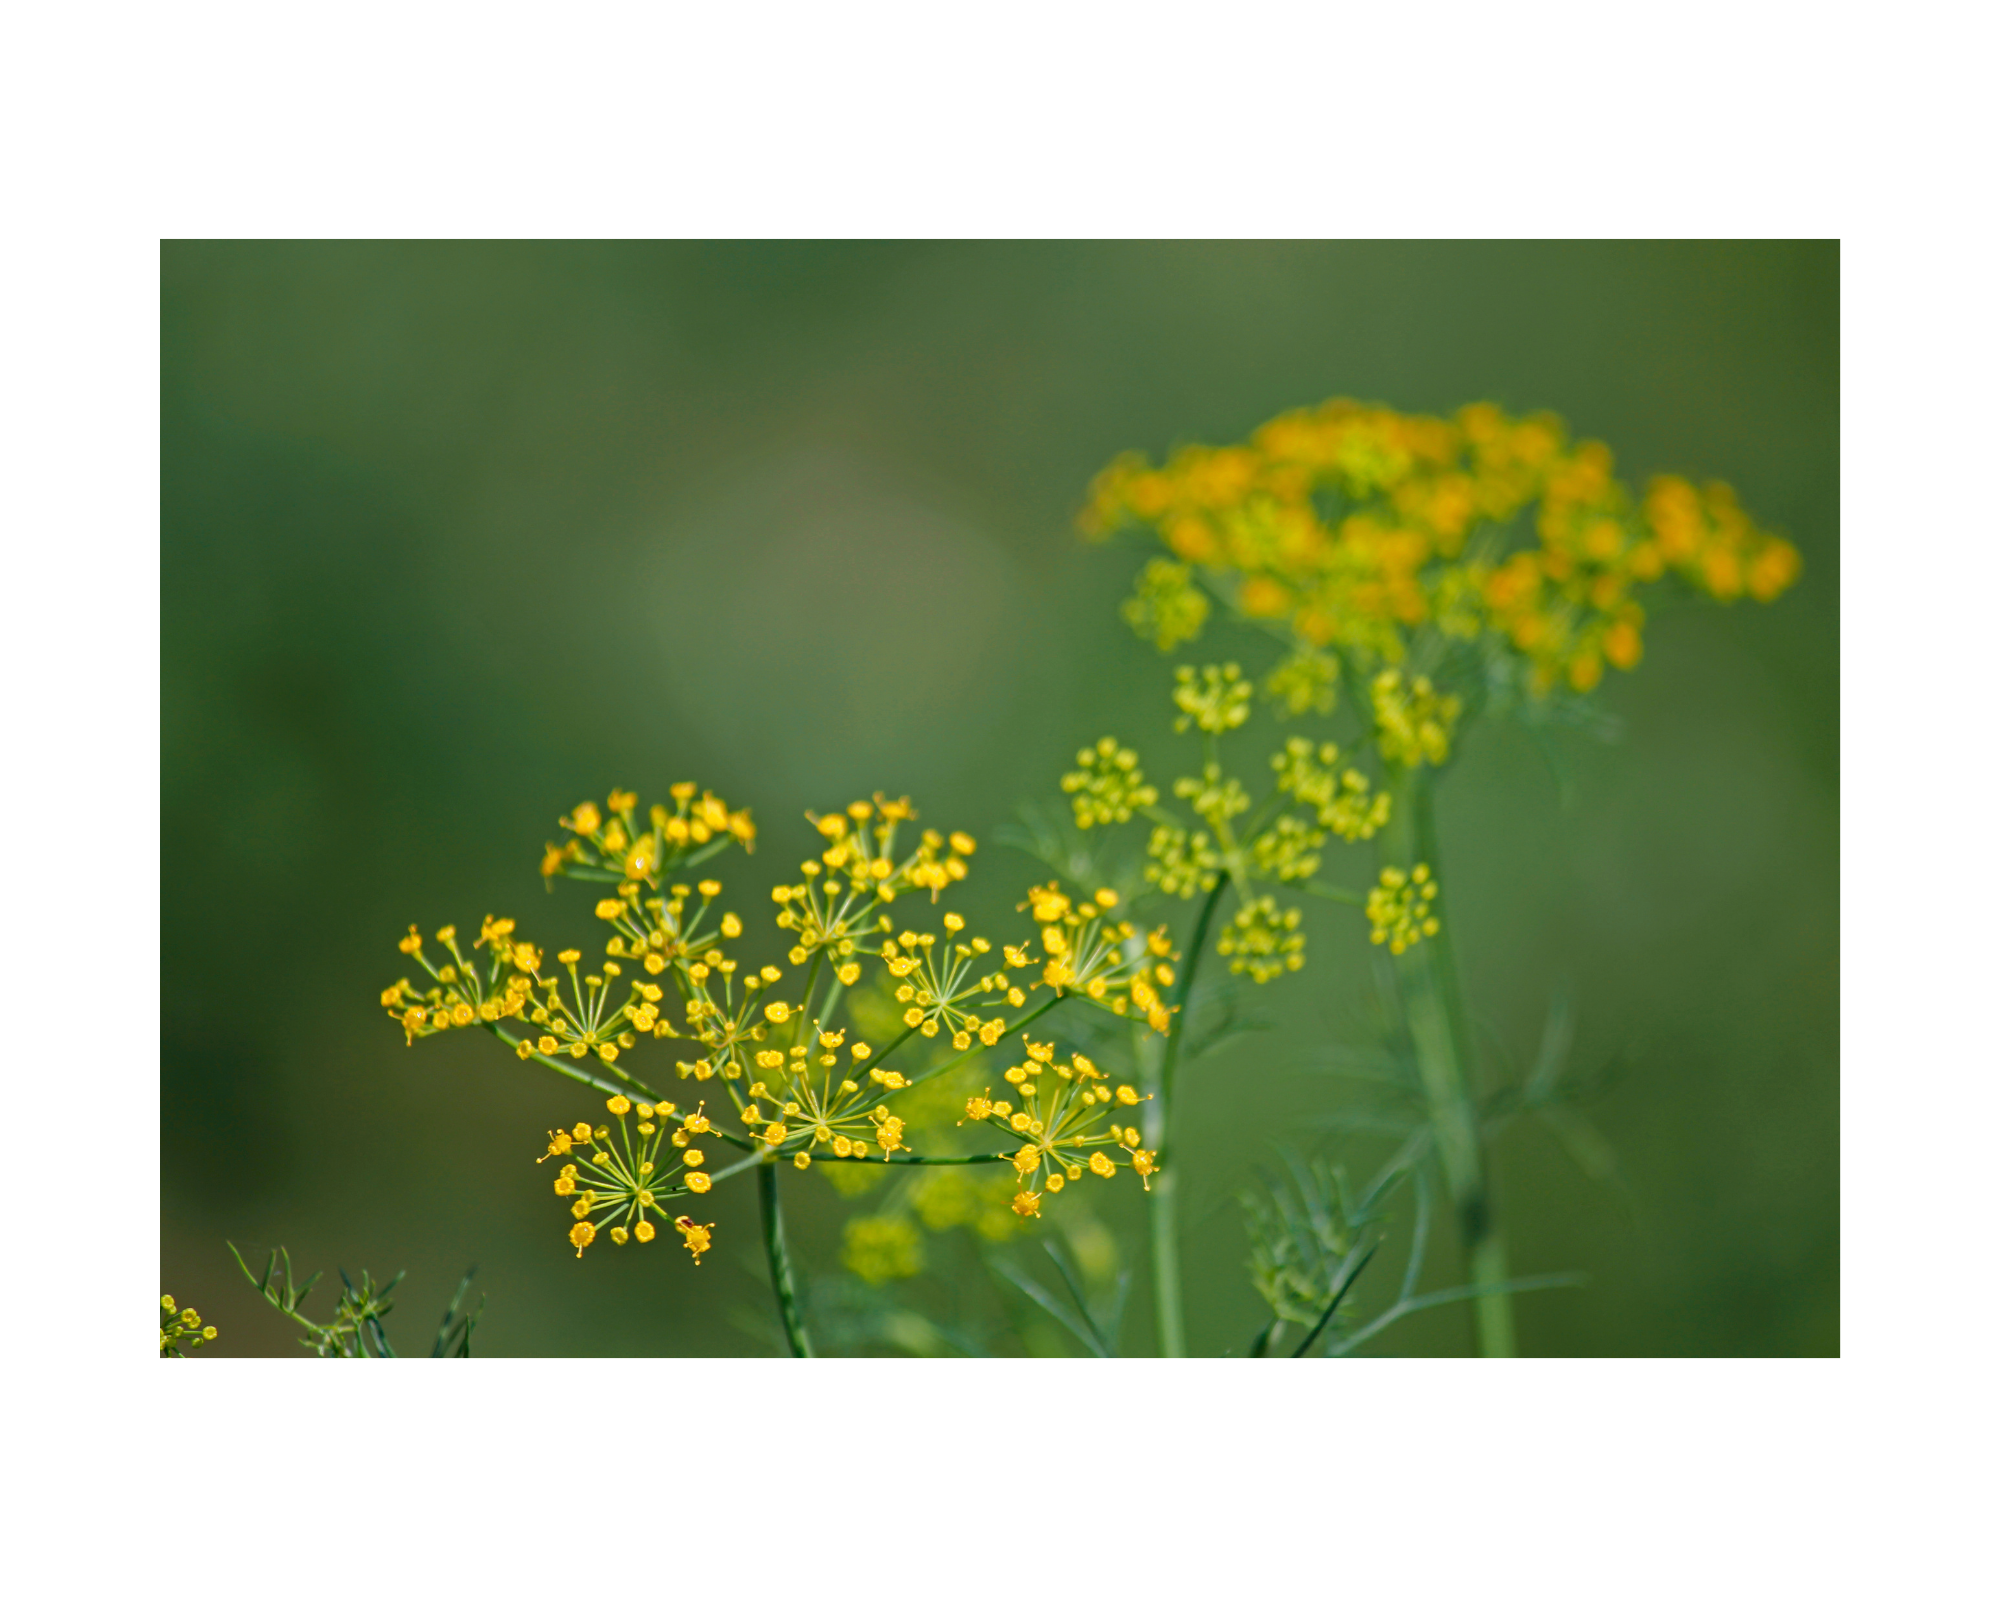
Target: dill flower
x=1354 y=526
x=1213 y=797
x=182 y=1325
x=1399 y=907
x=1341 y=800
x=1107 y=785
x=1166 y=607
x=1181 y=862
x=461 y=994
x=859 y=872
x=1288 y=850
x=1061 y=1127
x=640 y=1161
x=1262 y=942
x=1104 y=959
x=942 y=990
x=1305 y=682
x=697 y=1236
x=591 y=1020
x=1215 y=700
x=805 y=1101
x=1413 y=722
x=614 y=845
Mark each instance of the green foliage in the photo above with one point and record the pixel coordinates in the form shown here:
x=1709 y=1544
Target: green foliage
x=356 y=1330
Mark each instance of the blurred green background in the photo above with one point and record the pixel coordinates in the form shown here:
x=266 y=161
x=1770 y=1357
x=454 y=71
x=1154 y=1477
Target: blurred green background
x=456 y=535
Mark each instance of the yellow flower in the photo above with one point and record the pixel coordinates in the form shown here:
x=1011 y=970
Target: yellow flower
x=1263 y=941
x=696 y=1236
x=1060 y=1129
x=1400 y=907
x=632 y=1171
x=1107 y=785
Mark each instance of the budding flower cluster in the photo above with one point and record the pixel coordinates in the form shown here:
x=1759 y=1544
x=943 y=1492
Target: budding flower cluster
x=182 y=1325
x=1262 y=941
x=1413 y=722
x=1107 y=785
x=1399 y=906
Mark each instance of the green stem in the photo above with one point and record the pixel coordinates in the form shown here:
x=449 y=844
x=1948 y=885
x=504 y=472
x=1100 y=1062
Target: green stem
x=1163 y=1210
x=783 y=1285
x=600 y=1084
x=1427 y=977
x=943 y=1067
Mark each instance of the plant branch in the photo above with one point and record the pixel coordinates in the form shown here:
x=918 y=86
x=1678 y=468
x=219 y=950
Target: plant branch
x=1427 y=979
x=783 y=1284
x=1163 y=1213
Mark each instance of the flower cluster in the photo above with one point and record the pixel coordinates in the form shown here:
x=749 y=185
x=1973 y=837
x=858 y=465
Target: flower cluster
x=1350 y=526
x=860 y=871
x=1399 y=907
x=1314 y=796
x=941 y=988
x=1166 y=607
x=1060 y=1125
x=181 y=1325
x=669 y=975
x=1110 y=962
x=1262 y=941
x=609 y=847
x=460 y=994
x=1340 y=799
x=1107 y=785
x=807 y=1099
x=638 y=1163
x=1413 y=722
x=1182 y=862
x=1305 y=683
x=799 y=1083
x=1215 y=700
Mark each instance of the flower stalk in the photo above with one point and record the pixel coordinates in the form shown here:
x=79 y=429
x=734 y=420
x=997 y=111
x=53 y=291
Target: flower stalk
x=1434 y=1010
x=1158 y=1063
x=783 y=1284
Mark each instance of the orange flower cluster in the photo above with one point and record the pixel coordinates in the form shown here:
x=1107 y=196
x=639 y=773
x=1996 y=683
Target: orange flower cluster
x=1352 y=525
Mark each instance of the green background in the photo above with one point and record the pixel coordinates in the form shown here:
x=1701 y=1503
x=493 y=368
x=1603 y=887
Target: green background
x=457 y=535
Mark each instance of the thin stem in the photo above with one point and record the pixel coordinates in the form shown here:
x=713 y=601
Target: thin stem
x=1327 y=891
x=783 y=1285
x=1163 y=1211
x=943 y=1067
x=596 y=1082
x=1427 y=977
x=1351 y=1270
x=1170 y=1058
